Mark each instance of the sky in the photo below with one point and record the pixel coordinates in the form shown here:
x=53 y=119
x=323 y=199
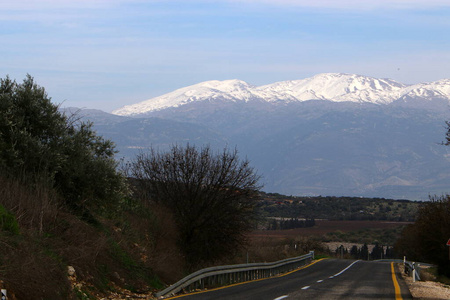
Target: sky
x=104 y=54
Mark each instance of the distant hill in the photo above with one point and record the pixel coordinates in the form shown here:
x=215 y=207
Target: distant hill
x=337 y=208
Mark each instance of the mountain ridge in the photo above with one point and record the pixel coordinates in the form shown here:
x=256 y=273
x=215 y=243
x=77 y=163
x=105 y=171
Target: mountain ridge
x=335 y=87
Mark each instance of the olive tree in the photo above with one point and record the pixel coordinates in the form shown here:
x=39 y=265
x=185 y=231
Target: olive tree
x=211 y=196
x=40 y=143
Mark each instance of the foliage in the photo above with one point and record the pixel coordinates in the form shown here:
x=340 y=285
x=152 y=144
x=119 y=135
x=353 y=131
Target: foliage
x=426 y=239
x=211 y=196
x=39 y=142
x=8 y=221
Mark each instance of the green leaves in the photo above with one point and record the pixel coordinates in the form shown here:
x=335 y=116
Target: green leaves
x=8 y=221
x=39 y=142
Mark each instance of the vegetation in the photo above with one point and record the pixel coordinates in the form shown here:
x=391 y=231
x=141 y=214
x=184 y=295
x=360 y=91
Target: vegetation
x=386 y=236
x=291 y=223
x=211 y=196
x=64 y=203
x=40 y=144
x=337 y=208
x=112 y=254
x=426 y=239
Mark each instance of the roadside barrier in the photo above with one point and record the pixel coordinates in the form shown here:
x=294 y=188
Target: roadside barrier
x=412 y=269
x=225 y=275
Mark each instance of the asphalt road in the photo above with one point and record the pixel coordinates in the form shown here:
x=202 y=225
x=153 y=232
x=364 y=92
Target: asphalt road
x=327 y=279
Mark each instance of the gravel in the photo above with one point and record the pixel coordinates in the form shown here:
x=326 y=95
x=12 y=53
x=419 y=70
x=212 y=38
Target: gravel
x=426 y=290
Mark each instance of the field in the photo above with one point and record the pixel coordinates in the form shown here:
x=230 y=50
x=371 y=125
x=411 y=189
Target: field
x=356 y=232
x=325 y=236
x=325 y=226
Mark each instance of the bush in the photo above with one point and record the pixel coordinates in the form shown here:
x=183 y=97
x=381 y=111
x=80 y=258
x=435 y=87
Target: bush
x=8 y=221
x=40 y=144
x=211 y=196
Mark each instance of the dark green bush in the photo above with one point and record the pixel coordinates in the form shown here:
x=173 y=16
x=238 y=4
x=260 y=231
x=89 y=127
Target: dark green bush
x=8 y=221
x=40 y=143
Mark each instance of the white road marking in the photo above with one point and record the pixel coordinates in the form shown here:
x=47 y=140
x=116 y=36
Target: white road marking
x=337 y=274
x=305 y=287
x=282 y=297
x=319 y=280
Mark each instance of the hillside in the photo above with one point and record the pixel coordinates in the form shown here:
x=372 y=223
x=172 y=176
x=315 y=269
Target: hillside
x=337 y=208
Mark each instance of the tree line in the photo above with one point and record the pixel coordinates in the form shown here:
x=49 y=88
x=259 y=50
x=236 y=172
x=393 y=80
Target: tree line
x=292 y=223
x=377 y=252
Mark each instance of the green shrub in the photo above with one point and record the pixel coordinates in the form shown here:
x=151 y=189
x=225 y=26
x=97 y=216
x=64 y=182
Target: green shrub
x=39 y=142
x=8 y=221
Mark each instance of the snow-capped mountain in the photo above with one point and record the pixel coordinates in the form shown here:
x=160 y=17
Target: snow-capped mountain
x=336 y=87
x=331 y=134
x=427 y=91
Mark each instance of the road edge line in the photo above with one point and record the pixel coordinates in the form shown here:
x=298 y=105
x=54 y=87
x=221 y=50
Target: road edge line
x=398 y=295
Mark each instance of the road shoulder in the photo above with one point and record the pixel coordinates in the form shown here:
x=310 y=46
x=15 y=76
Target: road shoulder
x=424 y=290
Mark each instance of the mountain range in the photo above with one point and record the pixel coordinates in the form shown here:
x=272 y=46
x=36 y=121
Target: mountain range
x=331 y=134
x=335 y=87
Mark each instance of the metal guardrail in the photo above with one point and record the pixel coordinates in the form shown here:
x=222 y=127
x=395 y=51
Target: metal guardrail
x=225 y=275
x=412 y=269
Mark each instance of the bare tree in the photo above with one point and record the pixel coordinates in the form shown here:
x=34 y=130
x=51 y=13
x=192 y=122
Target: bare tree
x=211 y=195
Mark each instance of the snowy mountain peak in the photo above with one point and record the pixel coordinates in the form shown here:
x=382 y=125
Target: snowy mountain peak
x=228 y=90
x=337 y=87
x=340 y=87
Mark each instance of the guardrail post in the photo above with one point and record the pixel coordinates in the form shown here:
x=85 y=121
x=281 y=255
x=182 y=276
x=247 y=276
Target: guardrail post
x=414 y=271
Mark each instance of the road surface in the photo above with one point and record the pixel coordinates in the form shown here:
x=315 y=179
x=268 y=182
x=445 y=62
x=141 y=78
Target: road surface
x=326 y=279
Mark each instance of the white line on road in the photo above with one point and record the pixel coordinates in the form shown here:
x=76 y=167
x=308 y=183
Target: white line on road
x=344 y=269
x=305 y=287
x=319 y=280
x=282 y=297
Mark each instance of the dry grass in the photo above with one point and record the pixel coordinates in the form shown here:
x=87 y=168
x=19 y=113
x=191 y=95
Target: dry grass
x=28 y=266
x=35 y=209
x=126 y=251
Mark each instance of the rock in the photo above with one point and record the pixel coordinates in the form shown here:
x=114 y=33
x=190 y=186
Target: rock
x=70 y=270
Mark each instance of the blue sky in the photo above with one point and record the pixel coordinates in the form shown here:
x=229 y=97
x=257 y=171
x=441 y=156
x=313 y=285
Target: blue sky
x=108 y=53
